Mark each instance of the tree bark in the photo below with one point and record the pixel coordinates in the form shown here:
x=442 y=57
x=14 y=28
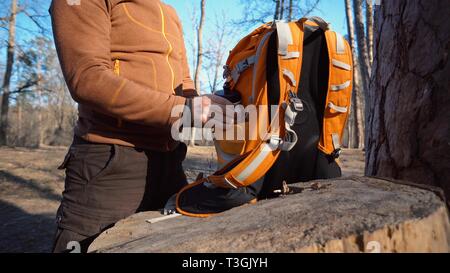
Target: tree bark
x=369 y=29
x=8 y=72
x=198 y=67
x=409 y=128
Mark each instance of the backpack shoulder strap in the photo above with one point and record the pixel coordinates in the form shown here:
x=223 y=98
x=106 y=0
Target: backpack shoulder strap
x=338 y=100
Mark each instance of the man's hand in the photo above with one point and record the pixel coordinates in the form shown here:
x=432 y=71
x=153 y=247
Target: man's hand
x=211 y=107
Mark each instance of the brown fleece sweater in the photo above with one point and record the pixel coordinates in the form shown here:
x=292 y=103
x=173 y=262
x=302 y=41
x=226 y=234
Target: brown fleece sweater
x=125 y=64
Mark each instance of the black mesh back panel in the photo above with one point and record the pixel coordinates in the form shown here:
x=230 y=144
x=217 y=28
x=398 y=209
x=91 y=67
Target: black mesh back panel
x=305 y=162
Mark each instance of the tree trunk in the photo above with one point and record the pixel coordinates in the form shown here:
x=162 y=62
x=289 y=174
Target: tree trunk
x=41 y=126
x=282 y=10
x=362 y=51
x=277 y=10
x=199 y=64
x=361 y=37
x=358 y=101
x=409 y=128
x=218 y=58
x=19 y=121
x=369 y=29
x=8 y=73
x=349 y=130
x=357 y=117
x=351 y=124
x=198 y=67
x=291 y=10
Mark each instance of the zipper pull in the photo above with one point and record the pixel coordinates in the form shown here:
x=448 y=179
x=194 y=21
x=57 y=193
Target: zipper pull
x=117 y=67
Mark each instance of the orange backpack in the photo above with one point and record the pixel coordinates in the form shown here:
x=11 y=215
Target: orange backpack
x=243 y=162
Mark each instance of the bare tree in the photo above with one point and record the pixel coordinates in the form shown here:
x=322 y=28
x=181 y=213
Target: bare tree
x=282 y=7
x=32 y=11
x=199 y=59
x=304 y=8
x=8 y=73
x=361 y=40
x=409 y=103
x=356 y=130
x=43 y=113
x=277 y=10
x=215 y=55
x=199 y=62
x=41 y=125
x=369 y=29
x=291 y=10
x=263 y=11
x=363 y=56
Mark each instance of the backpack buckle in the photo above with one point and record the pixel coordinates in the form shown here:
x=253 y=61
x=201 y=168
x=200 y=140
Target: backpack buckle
x=242 y=66
x=336 y=153
x=275 y=142
x=226 y=71
x=296 y=102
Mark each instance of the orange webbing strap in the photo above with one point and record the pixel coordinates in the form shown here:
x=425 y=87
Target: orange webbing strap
x=339 y=93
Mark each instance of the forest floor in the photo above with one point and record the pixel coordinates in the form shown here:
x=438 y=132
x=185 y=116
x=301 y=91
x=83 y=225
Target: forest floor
x=31 y=187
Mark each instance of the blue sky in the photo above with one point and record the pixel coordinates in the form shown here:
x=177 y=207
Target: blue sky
x=332 y=11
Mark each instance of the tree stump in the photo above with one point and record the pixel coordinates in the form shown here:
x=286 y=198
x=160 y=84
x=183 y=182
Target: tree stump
x=356 y=214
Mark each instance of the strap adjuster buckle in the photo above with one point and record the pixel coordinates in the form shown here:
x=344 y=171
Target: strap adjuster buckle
x=275 y=140
x=226 y=71
x=336 y=153
x=242 y=66
x=296 y=102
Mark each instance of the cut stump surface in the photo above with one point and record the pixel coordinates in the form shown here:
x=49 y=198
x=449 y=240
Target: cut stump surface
x=356 y=214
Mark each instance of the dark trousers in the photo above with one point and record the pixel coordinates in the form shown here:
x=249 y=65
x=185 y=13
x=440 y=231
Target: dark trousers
x=106 y=183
